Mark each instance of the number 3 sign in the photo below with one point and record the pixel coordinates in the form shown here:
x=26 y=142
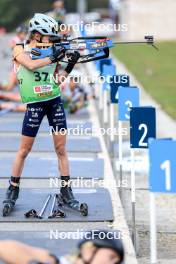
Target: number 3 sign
x=128 y=98
x=162 y=156
x=142 y=126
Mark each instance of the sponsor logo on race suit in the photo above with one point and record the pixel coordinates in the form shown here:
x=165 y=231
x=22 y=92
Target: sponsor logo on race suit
x=59 y=114
x=42 y=89
x=32 y=125
x=33 y=120
x=58 y=120
x=59 y=109
x=39 y=109
x=34 y=114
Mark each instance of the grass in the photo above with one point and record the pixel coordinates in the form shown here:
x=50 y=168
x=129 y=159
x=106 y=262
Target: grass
x=156 y=70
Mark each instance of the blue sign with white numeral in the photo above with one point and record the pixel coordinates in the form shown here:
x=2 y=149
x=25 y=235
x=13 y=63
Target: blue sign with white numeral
x=104 y=62
x=162 y=171
x=142 y=126
x=115 y=82
x=108 y=72
x=128 y=97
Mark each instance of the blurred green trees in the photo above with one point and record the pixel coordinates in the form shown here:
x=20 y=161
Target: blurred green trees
x=14 y=12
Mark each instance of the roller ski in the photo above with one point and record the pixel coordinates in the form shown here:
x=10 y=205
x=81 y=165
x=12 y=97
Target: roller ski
x=11 y=197
x=34 y=214
x=67 y=199
x=56 y=209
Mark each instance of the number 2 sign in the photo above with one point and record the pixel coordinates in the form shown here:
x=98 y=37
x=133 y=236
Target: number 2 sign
x=142 y=126
x=162 y=157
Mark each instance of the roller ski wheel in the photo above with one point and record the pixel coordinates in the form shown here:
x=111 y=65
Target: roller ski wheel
x=69 y=200
x=84 y=209
x=11 y=197
x=8 y=208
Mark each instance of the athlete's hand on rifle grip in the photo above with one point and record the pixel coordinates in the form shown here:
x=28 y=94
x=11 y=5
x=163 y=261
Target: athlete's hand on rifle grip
x=72 y=60
x=74 y=57
x=57 y=55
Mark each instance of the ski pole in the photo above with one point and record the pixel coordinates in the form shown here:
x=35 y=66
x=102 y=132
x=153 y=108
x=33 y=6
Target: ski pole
x=44 y=207
x=52 y=207
x=34 y=214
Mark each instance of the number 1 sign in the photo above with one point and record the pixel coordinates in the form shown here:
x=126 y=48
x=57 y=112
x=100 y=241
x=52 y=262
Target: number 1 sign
x=142 y=126
x=162 y=156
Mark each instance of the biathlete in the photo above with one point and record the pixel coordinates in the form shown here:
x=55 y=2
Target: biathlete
x=98 y=247
x=42 y=97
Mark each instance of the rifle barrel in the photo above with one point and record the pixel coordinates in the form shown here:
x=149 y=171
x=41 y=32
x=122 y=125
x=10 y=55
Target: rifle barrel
x=133 y=42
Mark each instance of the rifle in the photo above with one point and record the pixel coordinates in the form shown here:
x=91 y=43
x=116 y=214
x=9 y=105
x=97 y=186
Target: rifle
x=97 y=47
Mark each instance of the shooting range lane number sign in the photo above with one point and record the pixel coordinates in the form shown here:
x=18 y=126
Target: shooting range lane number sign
x=142 y=126
x=162 y=172
x=128 y=97
x=103 y=62
x=108 y=72
x=116 y=82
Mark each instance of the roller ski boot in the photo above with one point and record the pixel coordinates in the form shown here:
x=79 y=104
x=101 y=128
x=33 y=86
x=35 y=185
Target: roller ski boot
x=11 y=197
x=67 y=198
